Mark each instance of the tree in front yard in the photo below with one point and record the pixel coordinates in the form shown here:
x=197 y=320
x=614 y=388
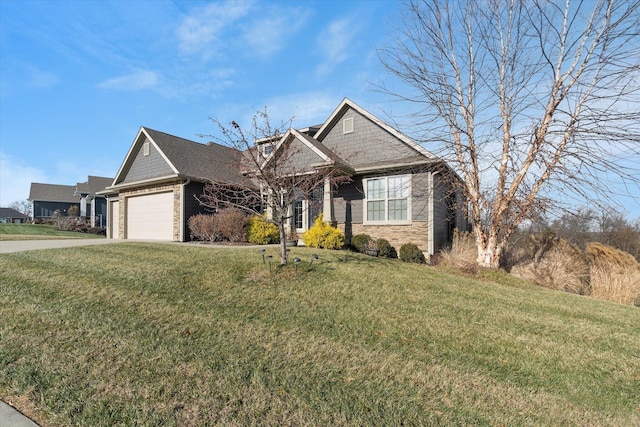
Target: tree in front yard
x=535 y=102
x=274 y=178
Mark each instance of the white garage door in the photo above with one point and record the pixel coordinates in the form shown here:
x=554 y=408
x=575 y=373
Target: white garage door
x=114 y=220
x=150 y=217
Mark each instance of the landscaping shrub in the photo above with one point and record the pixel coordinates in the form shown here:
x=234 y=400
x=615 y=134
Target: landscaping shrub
x=409 y=252
x=231 y=223
x=203 y=227
x=360 y=241
x=385 y=249
x=324 y=236
x=262 y=232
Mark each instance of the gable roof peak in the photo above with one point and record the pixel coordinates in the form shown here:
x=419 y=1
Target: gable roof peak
x=347 y=104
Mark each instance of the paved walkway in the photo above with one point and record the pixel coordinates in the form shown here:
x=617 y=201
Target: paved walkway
x=11 y=417
x=29 y=245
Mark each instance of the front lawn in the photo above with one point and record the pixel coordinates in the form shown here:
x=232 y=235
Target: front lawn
x=39 y=232
x=143 y=334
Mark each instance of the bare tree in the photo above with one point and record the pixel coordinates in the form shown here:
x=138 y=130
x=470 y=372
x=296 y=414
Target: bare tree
x=22 y=206
x=273 y=179
x=535 y=102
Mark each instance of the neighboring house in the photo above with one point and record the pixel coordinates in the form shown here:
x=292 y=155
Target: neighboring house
x=92 y=205
x=46 y=199
x=9 y=216
x=398 y=189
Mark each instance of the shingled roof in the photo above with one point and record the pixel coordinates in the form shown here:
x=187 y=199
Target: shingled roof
x=93 y=185
x=53 y=193
x=11 y=213
x=203 y=162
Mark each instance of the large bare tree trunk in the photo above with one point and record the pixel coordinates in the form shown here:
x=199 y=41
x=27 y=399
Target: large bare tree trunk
x=534 y=102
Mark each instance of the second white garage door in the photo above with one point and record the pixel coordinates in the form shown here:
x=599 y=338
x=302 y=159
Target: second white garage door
x=150 y=217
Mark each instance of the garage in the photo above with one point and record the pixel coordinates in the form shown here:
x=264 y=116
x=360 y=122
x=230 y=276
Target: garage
x=114 y=219
x=150 y=217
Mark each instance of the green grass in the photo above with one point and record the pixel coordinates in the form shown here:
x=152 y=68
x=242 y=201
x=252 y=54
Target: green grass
x=141 y=334
x=39 y=232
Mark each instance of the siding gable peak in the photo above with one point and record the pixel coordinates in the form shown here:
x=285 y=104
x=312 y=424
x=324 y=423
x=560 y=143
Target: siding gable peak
x=137 y=150
x=345 y=105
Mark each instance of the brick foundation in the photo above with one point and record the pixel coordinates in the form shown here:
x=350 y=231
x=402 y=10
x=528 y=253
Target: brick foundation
x=397 y=235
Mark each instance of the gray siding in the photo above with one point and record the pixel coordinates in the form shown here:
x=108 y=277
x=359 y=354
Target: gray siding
x=347 y=202
x=145 y=167
x=192 y=206
x=368 y=143
x=420 y=196
x=299 y=158
x=443 y=216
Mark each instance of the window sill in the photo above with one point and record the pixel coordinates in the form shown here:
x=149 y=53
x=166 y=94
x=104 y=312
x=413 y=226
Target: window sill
x=406 y=222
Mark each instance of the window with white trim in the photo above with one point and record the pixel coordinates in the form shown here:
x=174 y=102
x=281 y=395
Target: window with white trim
x=388 y=199
x=145 y=148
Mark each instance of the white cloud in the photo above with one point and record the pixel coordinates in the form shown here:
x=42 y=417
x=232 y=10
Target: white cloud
x=143 y=79
x=268 y=34
x=16 y=179
x=334 y=44
x=199 y=31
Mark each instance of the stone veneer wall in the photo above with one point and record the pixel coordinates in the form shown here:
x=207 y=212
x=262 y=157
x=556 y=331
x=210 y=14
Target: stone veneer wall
x=397 y=235
x=176 y=188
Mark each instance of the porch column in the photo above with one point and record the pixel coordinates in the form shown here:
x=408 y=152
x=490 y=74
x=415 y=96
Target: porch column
x=327 y=206
x=83 y=206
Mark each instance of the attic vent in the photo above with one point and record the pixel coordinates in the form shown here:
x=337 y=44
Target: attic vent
x=347 y=125
x=145 y=148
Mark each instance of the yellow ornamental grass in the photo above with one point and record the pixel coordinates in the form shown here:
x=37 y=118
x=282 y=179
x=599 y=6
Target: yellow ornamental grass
x=324 y=236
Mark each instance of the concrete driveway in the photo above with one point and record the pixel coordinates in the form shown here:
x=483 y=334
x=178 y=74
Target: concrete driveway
x=30 y=245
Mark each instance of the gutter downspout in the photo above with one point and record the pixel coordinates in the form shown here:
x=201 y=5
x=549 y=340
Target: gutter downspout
x=182 y=209
x=431 y=222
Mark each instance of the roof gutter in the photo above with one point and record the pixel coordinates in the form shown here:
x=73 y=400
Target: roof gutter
x=398 y=165
x=167 y=178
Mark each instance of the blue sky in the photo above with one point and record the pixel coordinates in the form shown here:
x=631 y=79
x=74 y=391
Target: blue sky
x=79 y=77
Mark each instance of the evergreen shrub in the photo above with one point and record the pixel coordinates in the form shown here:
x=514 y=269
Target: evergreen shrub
x=262 y=232
x=324 y=236
x=360 y=242
x=385 y=249
x=409 y=252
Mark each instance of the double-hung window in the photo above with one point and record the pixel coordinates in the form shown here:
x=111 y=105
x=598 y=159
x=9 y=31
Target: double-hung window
x=388 y=199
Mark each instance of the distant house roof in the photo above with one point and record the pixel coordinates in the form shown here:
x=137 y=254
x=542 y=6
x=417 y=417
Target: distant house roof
x=11 y=213
x=53 y=193
x=93 y=185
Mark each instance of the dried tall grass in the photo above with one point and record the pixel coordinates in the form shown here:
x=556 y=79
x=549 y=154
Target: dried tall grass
x=562 y=268
x=462 y=254
x=615 y=275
